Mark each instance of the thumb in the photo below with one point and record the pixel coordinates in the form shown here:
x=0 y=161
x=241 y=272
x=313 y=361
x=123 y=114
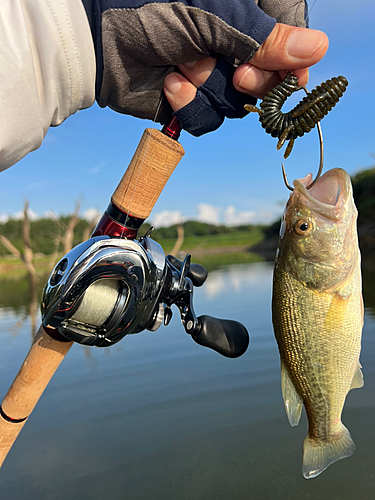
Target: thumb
x=287 y=48
x=290 y=48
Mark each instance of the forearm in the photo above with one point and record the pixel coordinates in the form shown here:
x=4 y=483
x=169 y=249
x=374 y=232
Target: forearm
x=47 y=71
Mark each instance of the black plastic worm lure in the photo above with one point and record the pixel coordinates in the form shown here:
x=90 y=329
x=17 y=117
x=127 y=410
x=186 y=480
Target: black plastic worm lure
x=303 y=117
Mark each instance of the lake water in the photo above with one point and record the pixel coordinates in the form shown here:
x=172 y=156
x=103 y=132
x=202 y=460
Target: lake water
x=157 y=416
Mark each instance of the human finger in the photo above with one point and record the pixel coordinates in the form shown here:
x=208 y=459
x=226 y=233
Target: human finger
x=197 y=72
x=257 y=82
x=178 y=90
x=290 y=48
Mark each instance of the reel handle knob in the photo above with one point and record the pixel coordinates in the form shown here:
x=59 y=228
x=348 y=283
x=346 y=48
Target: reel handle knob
x=227 y=337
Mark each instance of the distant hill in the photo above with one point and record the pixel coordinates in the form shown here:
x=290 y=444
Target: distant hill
x=364 y=197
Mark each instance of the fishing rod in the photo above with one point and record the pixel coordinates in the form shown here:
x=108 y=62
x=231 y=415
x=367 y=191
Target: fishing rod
x=113 y=284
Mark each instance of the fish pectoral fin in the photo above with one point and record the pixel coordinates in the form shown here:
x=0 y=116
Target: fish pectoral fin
x=337 y=310
x=292 y=401
x=318 y=455
x=358 y=380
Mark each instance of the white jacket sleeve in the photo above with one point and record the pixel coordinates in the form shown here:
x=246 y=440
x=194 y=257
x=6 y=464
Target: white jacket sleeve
x=47 y=71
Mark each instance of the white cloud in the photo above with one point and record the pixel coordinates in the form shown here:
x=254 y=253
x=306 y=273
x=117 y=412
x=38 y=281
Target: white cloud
x=167 y=218
x=233 y=217
x=32 y=215
x=18 y=216
x=211 y=214
x=208 y=213
x=230 y=216
x=92 y=214
x=50 y=214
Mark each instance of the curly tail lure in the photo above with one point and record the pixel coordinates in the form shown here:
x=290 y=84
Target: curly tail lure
x=304 y=116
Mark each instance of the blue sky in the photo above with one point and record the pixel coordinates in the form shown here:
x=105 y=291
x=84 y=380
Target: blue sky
x=232 y=175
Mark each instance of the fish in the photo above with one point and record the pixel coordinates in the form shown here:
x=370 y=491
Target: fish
x=317 y=313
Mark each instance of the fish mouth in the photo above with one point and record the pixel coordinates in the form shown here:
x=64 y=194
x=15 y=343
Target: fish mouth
x=329 y=195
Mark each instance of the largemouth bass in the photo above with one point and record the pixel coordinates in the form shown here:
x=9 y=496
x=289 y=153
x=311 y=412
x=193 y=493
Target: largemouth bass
x=317 y=313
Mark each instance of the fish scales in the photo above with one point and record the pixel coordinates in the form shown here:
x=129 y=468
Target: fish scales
x=320 y=360
x=317 y=315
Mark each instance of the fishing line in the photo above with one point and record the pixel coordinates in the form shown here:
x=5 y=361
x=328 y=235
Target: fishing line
x=309 y=12
x=128 y=208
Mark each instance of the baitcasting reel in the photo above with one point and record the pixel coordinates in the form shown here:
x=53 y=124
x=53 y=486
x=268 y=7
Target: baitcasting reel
x=106 y=288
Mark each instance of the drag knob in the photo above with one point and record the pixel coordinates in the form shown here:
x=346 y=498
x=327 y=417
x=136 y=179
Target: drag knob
x=224 y=336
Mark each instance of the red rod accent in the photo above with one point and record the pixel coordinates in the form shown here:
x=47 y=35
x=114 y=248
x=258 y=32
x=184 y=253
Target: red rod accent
x=107 y=226
x=172 y=129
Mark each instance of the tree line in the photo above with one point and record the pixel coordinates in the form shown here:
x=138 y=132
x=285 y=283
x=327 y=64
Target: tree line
x=48 y=235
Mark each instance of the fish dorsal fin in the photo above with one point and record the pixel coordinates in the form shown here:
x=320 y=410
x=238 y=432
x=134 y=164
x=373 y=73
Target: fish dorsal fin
x=358 y=380
x=292 y=401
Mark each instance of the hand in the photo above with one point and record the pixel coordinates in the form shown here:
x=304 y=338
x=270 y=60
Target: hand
x=286 y=49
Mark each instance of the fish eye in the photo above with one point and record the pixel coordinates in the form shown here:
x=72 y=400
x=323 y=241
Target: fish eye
x=303 y=227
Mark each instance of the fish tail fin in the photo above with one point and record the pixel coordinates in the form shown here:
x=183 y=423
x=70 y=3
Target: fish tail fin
x=318 y=454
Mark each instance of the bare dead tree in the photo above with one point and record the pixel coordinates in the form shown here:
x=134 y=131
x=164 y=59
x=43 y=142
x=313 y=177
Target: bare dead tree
x=56 y=244
x=10 y=247
x=27 y=256
x=89 y=228
x=180 y=239
x=69 y=233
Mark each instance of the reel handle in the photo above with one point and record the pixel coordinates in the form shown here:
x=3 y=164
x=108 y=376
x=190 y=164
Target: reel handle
x=154 y=161
x=227 y=337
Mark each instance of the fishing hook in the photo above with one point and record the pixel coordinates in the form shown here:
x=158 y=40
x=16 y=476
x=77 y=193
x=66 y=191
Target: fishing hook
x=321 y=158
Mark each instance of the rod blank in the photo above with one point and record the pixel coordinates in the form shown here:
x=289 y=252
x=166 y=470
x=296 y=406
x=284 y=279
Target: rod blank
x=40 y=364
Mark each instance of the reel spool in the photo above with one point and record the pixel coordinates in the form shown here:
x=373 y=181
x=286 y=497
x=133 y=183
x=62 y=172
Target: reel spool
x=103 y=289
x=106 y=288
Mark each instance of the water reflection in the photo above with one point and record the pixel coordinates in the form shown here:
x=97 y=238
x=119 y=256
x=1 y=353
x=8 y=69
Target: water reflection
x=237 y=278
x=159 y=417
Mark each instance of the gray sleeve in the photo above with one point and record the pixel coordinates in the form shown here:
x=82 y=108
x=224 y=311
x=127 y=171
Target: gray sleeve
x=47 y=71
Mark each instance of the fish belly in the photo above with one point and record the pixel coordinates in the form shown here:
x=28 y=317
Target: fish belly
x=319 y=337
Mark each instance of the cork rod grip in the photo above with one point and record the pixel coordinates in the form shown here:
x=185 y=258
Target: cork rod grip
x=40 y=364
x=149 y=170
